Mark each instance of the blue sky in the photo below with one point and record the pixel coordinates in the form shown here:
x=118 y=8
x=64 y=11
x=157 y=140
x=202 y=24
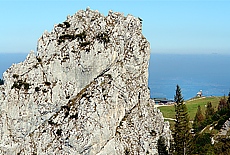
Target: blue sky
x=170 y=26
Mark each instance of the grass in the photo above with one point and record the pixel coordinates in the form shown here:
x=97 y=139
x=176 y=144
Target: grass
x=169 y=111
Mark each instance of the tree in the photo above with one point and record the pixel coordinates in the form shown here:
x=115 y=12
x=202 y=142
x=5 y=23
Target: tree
x=222 y=104
x=228 y=101
x=162 y=148
x=199 y=118
x=202 y=144
x=209 y=112
x=181 y=133
x=222 y=147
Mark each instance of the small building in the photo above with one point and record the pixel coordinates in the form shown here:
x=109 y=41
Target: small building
x=199 y=94
x=163 y=101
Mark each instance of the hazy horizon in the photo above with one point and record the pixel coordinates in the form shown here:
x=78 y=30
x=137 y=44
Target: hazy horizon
x=191 y=71
x=7 y=59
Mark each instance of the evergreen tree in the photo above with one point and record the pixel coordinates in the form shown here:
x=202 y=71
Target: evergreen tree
x=199 y=118
x=162 y=148
x=222 y=104
x=209 y=112
x=181 y=133
x=202 y=144
x=228 y=101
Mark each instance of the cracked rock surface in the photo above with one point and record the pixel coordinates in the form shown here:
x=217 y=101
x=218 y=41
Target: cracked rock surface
x=85 y=91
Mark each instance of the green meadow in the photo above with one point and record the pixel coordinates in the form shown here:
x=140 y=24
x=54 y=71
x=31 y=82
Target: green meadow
x=169 y=111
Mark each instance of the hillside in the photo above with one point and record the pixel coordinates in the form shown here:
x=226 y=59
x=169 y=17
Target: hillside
x=169 y=111
x=210 y=132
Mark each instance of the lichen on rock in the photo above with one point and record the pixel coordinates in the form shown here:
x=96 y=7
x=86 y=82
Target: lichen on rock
x=85 y=91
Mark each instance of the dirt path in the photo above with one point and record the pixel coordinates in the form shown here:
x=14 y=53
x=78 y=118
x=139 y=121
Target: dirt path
x=196 y=99
x=171 y=119
x=157 y=105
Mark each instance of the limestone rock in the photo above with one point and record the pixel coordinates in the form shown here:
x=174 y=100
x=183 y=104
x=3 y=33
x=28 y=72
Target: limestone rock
x=85 y=91
x=225 y=128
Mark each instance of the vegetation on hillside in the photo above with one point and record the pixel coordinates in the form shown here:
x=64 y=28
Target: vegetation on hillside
x=199 y=118
x=162 y=148
x=169 y=111
x=206 y=139
x=208 y=119
x=181 y=132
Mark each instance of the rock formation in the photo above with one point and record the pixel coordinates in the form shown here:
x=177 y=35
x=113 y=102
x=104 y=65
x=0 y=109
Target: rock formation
x=225 y=128
x=85 y=91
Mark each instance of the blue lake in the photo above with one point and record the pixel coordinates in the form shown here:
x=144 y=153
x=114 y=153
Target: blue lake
x=192 y=73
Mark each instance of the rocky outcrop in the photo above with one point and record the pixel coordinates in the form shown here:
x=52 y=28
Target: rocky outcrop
x=225 y=128
x=85 y=91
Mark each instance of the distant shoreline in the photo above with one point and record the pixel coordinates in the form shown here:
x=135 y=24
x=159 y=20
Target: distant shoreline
x=187 y=101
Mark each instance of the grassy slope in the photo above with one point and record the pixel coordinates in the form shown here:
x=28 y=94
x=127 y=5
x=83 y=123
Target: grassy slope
x=168 y=111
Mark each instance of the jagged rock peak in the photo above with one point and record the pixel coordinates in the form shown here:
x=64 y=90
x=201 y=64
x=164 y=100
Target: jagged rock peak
x=85 y=91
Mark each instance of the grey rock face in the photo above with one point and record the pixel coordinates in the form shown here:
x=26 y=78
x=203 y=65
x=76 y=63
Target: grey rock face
x=85 y=91
x=225 y=128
